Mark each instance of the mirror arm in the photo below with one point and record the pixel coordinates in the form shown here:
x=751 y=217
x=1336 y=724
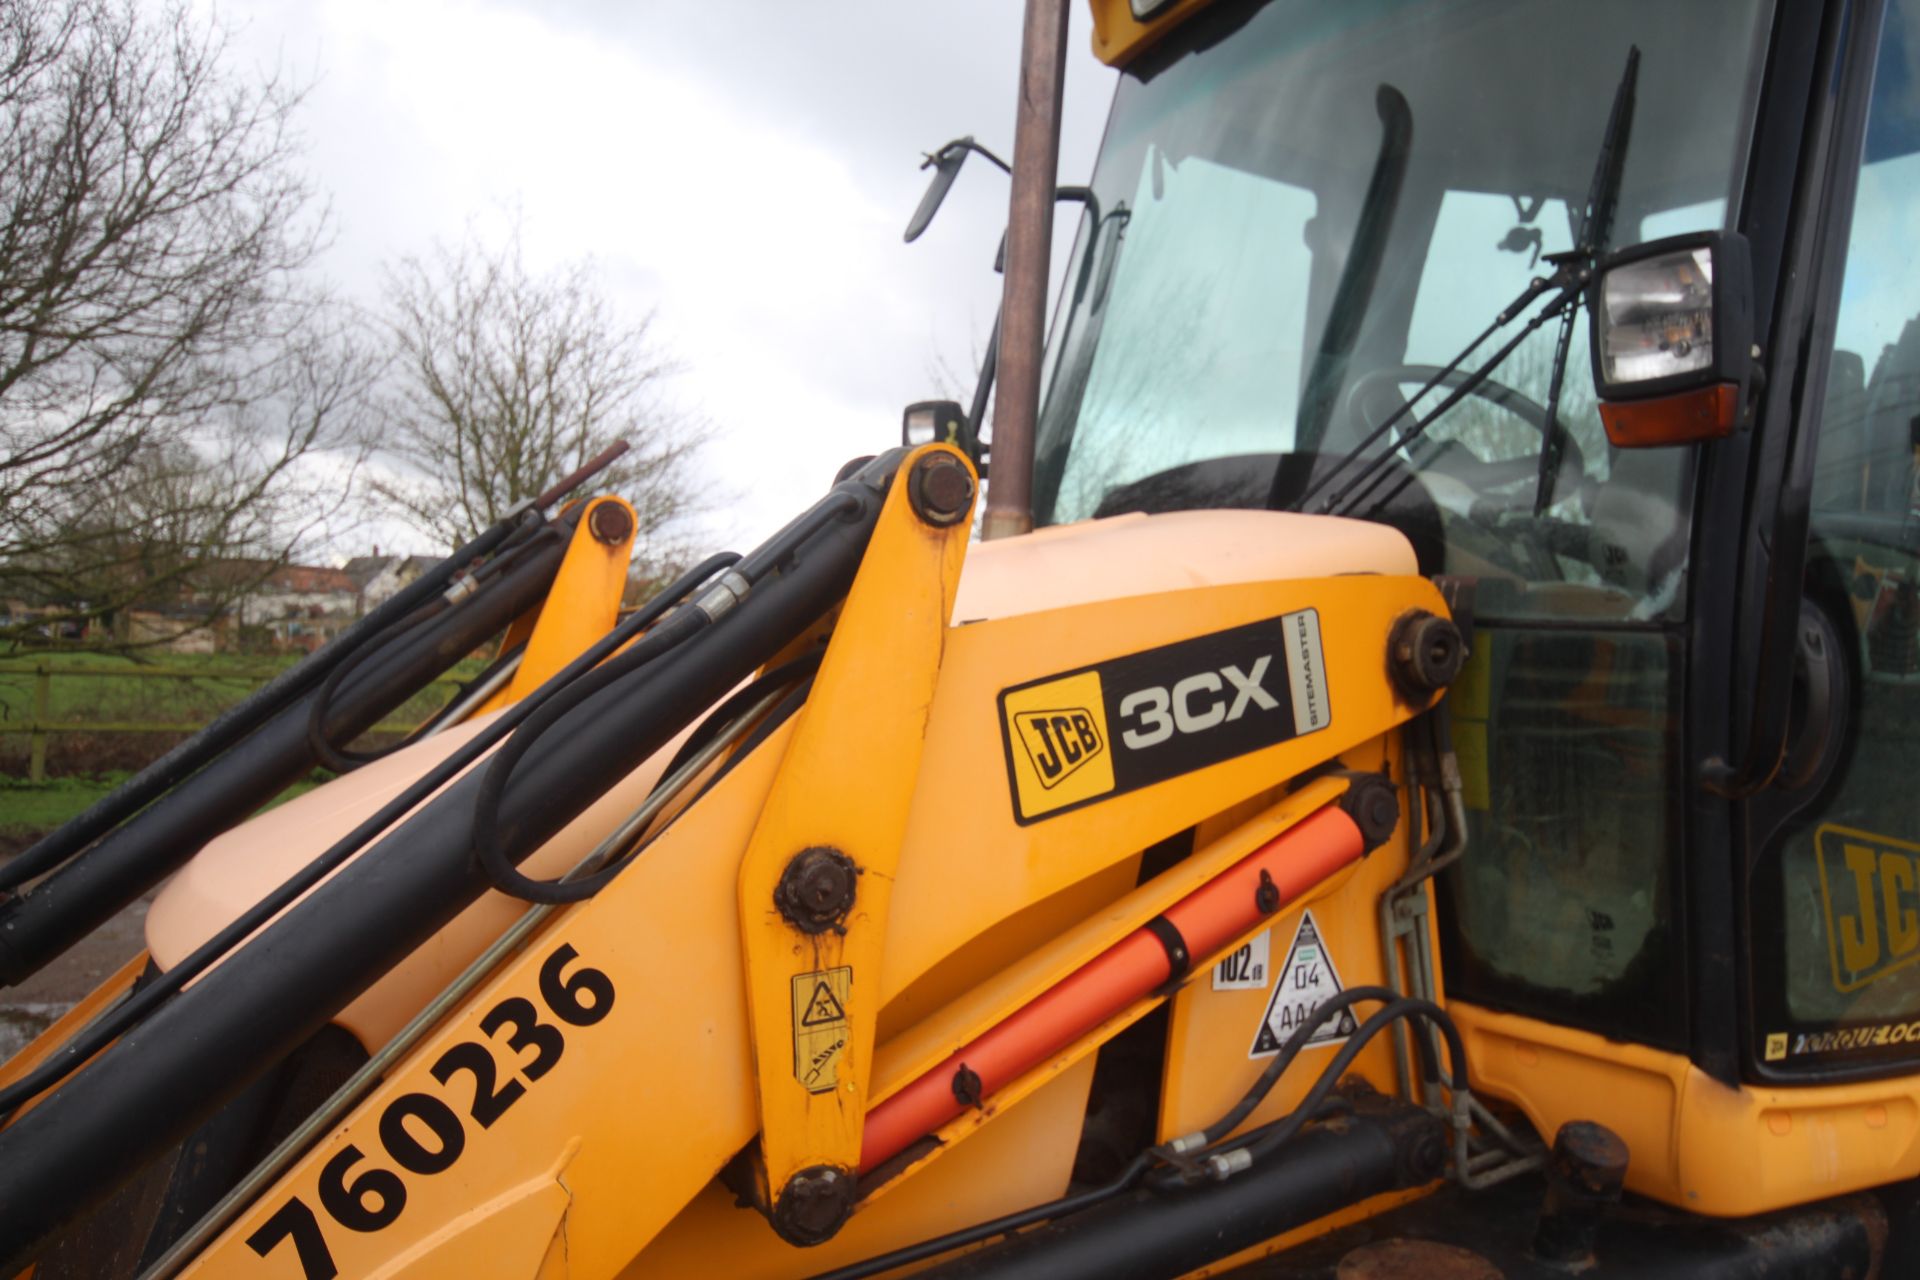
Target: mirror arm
x=964 y=144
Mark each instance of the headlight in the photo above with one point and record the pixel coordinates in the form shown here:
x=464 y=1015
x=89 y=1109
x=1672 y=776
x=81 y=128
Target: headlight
x=1656 y=317
x=1672 y=326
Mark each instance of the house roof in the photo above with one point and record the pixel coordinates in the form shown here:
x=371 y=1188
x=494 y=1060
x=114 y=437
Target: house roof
x=364 y=569
x=311 y=578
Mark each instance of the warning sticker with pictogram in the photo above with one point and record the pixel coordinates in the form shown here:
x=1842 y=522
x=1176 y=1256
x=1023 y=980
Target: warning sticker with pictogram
x=822 y=1006
x=820 y=1026
x=1299 y=987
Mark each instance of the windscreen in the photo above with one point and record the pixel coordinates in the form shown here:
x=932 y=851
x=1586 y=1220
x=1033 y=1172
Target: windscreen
x=1302 y=210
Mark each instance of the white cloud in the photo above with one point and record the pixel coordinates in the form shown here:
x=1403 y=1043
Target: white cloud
x=752 y=192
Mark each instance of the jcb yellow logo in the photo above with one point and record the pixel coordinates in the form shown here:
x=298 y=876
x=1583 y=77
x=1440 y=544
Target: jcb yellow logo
x=1057 y=738
x=1058 y=741
x=1870 y=888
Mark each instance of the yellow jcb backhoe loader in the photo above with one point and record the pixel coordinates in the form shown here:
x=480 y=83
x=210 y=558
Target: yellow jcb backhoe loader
x=1390 y=795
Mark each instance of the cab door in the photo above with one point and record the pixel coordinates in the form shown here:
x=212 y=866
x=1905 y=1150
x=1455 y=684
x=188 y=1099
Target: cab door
x=1833 y=944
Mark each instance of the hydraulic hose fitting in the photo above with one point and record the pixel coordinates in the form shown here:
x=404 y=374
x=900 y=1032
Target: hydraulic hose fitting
x=940 y=490
x=1424 y=653
x=728 y=590
x=460 y=588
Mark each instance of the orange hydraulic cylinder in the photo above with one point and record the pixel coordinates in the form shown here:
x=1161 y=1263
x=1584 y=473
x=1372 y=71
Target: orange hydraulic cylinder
x=1200 y=924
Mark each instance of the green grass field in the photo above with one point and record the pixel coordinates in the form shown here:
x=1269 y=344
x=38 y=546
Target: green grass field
x=127 y=690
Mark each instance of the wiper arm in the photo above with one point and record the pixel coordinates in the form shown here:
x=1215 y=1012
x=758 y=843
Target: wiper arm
x=1603 y=193
x=1367 y=477
x=1573 y=270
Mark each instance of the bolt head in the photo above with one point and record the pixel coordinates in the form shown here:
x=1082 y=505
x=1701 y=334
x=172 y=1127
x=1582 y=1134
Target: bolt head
x=1424 y=654
x=610 y=523
x=817 y=889
x=941 y=490
x=814 y=1205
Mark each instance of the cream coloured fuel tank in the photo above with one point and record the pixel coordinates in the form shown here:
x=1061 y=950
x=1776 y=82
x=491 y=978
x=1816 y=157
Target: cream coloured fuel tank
x=1129 y=555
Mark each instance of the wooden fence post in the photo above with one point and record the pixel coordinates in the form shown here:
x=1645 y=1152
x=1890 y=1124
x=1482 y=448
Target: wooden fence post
x=42 y=712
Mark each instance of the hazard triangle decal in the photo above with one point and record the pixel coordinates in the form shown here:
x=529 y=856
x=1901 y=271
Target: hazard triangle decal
x=1300 y=985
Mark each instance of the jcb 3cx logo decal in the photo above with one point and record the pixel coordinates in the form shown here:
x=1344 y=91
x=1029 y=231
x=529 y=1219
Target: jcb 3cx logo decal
x=1073 y=738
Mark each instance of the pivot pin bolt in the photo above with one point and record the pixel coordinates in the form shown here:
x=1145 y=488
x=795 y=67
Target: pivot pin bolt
x=1424 y=653
x=814 y=1205
x=817 y=889
x=940 y=490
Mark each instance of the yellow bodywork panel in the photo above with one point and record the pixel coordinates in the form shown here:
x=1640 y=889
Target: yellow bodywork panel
x=841 y=801
x=619 y=1043
x=1697 y=1143
x=1119 y=37
x=582 y=605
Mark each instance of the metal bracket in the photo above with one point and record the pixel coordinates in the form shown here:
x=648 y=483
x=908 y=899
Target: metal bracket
x=842 y=797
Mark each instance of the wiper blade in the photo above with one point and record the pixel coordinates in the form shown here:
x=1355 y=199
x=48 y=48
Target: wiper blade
x=1603 y=193
x=1366 y=479
x=1573 y=270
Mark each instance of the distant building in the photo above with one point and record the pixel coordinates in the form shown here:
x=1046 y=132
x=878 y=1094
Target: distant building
x=176 y=629
x=296 y=606
x=378 y=577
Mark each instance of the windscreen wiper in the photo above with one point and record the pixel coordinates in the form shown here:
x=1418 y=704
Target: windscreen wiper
x=1573 y=271
x=1603 y=193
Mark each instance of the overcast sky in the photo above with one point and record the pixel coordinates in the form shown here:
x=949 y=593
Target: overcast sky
x=743 y=168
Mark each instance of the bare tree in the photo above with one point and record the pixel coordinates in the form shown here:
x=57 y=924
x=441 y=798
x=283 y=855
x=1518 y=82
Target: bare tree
x=506 y=381
x=164 y=371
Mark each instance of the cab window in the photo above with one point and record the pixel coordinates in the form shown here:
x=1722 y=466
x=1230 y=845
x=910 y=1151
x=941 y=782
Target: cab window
x=1840 y=888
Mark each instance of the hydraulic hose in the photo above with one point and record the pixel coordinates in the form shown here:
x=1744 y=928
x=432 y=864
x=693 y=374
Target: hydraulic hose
x=169 y=1073
x=149 y=996
x=240 y=719
x=1152 y=1234
x=328 y=747
x=237 y=721
x=41 y=923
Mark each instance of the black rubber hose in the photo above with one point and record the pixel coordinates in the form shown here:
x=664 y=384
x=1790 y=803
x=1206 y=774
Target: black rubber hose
x=1146 y=1234
x=38 y=925
x=791 y=672
x=1270 y=1140
x=167 y=1074
x=1277 y=1066
x=240 y=719
x=327 y=749
x=151 y=994
x=679 y=628
x=483 y=826
x=320 y=706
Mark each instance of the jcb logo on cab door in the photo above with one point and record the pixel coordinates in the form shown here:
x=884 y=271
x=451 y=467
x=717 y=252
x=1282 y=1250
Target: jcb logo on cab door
x=1175 y=709
x=1870 y=889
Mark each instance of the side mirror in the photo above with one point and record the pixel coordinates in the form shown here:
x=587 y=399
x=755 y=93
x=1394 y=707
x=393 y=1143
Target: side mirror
x=1672 y=339
x=945 y=164
x=932 y=420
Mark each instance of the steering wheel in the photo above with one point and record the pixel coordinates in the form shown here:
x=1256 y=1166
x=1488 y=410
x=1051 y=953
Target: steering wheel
x=1375 y=396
